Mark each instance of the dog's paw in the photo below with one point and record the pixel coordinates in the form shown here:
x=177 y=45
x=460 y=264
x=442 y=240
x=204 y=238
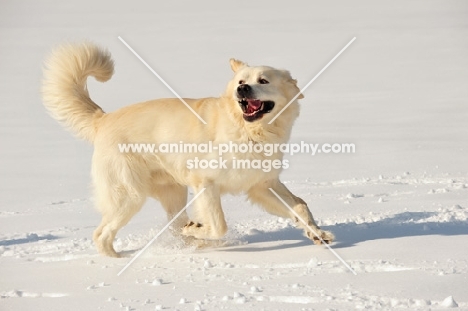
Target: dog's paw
x=320 y=236
x=193 y=229
x=203 y=231
x=191 y=223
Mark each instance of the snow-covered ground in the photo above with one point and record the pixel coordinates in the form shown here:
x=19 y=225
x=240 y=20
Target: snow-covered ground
x=398 y=206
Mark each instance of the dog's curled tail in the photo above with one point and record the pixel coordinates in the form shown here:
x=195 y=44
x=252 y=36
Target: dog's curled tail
x=64 y=90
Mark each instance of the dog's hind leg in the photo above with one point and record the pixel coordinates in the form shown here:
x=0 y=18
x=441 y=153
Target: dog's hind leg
x=261 y=194
x=120 y=190
x=173 y=198
x=117 y=209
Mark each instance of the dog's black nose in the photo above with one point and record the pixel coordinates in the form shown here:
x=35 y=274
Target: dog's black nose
x=244 y=90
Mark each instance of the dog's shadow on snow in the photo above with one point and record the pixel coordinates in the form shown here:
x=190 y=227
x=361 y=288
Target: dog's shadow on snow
x=283 y=236
x=406 y=224
x=28 y=239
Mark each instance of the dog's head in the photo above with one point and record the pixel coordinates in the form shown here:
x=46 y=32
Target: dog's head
x=262 y=92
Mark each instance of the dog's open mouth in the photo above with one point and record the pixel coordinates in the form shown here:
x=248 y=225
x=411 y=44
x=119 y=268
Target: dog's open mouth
x=254 y=109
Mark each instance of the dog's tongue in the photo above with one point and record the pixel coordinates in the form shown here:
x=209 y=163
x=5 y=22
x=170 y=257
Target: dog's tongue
x=254 y=105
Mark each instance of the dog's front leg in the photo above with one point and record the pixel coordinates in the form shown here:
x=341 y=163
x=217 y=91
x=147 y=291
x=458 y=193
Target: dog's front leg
x=261 y=194
x=209 y=214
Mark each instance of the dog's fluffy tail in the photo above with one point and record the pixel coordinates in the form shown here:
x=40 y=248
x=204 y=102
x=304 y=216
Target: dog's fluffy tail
x=64 y=90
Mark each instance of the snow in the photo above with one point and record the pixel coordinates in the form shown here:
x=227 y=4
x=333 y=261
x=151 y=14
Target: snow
x=398 y=206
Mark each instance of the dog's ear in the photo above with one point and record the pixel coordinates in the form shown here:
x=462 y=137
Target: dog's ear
x=294 y=82
x=236 y=64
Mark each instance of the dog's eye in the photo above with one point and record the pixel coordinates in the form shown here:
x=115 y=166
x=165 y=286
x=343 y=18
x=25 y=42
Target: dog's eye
x=241 y=81
x=263 y=81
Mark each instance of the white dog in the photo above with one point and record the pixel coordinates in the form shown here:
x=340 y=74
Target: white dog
x=123 y=181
